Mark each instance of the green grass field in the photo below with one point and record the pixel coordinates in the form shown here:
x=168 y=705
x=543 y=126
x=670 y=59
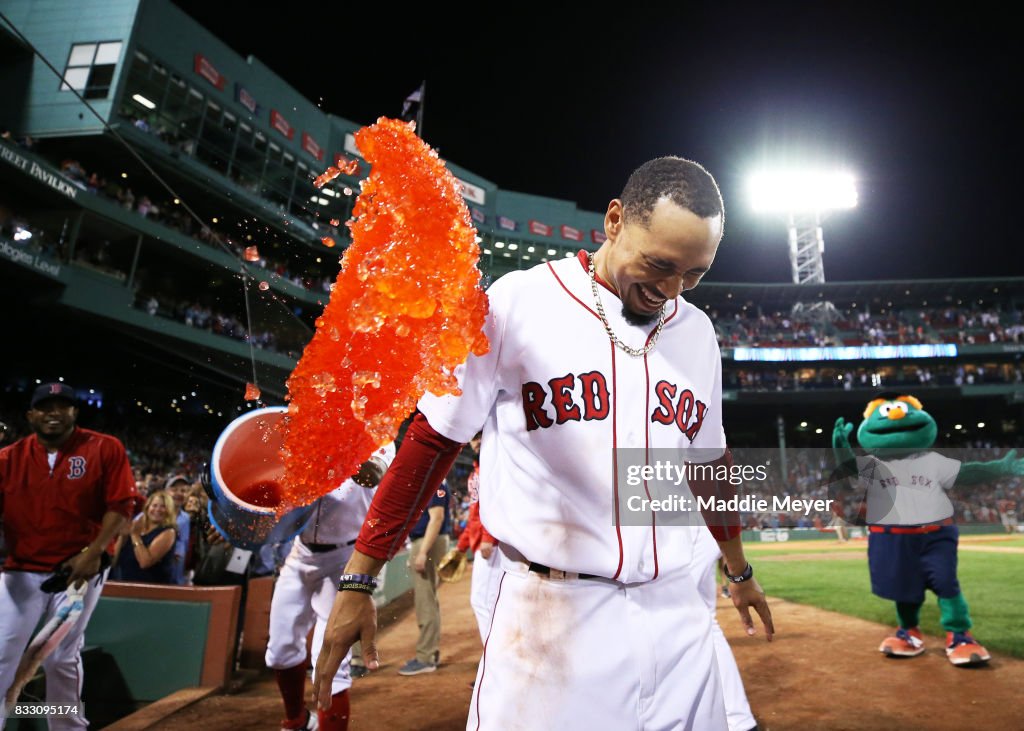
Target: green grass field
x=991 y=583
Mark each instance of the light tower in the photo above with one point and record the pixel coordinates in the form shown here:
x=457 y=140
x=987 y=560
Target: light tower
x=805 y=198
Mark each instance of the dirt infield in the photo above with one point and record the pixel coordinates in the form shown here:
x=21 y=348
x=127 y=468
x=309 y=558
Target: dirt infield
x=823 y=671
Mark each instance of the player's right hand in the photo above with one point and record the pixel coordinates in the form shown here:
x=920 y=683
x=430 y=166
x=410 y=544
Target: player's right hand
x=83 y=567
x=353 y=617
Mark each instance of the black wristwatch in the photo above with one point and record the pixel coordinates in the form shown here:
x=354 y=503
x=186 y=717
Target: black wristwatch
x=745 y=575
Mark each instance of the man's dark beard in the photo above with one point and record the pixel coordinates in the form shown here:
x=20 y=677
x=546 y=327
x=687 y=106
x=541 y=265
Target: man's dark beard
x=635 y=318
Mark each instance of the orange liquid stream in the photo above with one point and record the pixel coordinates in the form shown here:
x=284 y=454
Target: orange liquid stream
x=406 y=308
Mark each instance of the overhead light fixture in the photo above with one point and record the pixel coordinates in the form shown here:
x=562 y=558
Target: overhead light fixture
x=143 y=101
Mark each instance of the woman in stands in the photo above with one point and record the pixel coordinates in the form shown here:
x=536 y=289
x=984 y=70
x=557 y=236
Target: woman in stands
x=144 y=549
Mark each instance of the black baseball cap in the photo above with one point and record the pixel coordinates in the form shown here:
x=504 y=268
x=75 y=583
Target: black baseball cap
x=53 y=390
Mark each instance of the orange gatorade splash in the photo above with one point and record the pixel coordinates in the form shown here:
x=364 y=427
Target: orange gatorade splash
x=406 y=308
x=327 y=176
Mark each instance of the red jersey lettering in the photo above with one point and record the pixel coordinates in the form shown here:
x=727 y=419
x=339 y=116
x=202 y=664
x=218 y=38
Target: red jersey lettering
x=533 y=406
x=561 y=399
x=594 y=396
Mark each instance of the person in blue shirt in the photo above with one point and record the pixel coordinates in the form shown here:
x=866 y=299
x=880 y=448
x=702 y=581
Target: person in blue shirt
x=429 y=545
x=177 y=487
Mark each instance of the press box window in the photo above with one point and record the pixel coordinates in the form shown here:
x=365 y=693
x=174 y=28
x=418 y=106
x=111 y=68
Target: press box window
x=90 y=68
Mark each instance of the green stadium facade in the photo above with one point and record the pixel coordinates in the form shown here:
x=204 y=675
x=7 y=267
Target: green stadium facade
x=129 y=219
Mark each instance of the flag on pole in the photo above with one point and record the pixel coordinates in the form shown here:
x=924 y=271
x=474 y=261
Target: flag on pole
x=412 y=108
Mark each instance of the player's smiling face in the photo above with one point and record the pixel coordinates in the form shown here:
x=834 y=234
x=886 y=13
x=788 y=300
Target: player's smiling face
x=648 y=265
x=53 y=419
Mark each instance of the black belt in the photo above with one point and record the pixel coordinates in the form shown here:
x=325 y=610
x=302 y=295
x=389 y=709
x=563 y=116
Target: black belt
x=325 y=547
x=539 y=568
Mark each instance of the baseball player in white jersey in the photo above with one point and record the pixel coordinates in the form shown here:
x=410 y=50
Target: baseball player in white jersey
x=705 y=569
x=305 y=589
x=596 y=624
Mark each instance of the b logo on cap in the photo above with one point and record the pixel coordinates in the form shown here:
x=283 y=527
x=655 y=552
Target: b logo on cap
x=55 y=389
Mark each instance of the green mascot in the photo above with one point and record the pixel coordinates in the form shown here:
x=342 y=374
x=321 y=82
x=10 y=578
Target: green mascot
x=912 y=543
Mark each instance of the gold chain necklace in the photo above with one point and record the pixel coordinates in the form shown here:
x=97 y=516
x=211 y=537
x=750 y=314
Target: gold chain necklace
x=635 y=352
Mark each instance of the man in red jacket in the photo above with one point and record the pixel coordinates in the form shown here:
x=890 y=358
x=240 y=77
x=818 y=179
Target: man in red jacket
x=65 y=492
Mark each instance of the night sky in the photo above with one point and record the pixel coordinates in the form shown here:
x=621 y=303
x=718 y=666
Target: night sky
x=918 y=105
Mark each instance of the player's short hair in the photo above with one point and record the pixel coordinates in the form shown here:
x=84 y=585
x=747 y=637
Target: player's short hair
x=685 y=182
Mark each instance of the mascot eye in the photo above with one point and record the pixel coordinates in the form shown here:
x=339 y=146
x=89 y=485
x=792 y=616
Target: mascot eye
x=886 y=409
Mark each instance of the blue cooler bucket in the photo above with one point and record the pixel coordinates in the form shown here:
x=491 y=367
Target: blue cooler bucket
x=247 y=454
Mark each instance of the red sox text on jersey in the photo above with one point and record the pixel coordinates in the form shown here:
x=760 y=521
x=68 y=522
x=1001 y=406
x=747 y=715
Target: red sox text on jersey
x=591 y=401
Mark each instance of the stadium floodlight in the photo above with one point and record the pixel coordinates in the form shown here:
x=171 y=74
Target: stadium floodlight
x=796 y=192
x=805 y=198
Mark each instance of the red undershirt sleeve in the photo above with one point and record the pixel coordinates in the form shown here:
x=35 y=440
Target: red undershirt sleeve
x=723 y=525
x=416 y=473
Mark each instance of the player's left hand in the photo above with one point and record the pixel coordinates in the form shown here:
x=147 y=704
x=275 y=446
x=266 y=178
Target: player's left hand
x=83 y=567
x=747 y=594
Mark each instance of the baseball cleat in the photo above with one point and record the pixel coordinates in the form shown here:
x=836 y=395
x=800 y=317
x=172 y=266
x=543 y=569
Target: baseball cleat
x=904 y=643
x=962 y=649
x=358 y=671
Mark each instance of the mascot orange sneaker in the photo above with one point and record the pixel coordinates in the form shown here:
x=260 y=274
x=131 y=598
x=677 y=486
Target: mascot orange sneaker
x=962 y=649
x=904 y=643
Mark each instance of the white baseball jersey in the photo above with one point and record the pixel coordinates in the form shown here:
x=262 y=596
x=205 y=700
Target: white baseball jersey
x=305 y=589
x=556 y=398
x=908 y=491
x=339 y=514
